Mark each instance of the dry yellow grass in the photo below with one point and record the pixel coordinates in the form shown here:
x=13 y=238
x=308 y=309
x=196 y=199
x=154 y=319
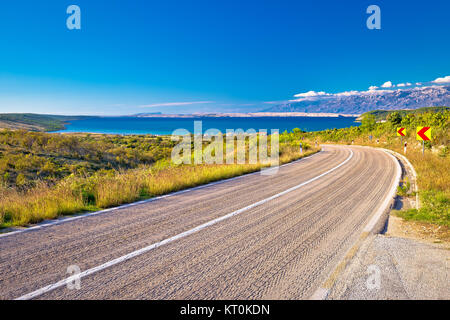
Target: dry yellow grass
x=38 y=204
x=75 y=194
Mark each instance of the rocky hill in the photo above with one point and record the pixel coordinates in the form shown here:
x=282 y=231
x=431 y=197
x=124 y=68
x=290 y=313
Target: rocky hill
x=358 y=102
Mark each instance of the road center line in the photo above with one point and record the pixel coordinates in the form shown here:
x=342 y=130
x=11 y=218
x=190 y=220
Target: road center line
x=171 y=239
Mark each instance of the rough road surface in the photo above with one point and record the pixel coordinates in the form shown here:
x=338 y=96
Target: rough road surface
x=282 y=248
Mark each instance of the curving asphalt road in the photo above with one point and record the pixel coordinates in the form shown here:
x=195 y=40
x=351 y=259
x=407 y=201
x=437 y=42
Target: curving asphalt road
x=253 y=237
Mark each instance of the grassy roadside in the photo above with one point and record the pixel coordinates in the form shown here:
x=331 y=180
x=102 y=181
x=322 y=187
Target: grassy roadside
x=432 y=168
x=434 y=187
x=43 y=176
x=433 y=181
x=108 y=188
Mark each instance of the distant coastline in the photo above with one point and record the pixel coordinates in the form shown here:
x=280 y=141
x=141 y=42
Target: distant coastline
x=159 y=123
x=167 y=124
x=246 y=115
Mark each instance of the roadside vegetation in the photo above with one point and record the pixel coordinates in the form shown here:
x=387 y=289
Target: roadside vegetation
x=433 y=168
x=29 y=157
x=44 y=176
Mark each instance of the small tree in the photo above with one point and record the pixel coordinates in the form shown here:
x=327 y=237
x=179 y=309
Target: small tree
x=368 y=122
x=394 y=118
x=297 y=131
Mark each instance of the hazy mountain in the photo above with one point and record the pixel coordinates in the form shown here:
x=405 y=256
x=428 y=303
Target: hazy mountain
x=353 y=102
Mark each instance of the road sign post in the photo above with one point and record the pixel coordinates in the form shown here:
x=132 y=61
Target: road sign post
x=301 y=148
x=424 y=134
x=401 y=132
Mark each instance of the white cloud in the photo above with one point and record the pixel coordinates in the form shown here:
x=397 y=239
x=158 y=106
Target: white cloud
x=174 y=104
x=371 y=88
x=374 y=92
x=348 y=93
x=442 y=80
x=387 y=84
x=311 y=94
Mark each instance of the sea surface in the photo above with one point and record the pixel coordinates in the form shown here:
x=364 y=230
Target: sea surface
x=165 y=126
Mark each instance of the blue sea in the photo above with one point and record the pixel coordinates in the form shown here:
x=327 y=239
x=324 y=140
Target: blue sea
x=165 y=126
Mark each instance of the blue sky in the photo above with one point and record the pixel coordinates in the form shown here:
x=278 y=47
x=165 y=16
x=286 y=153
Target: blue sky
x=207 y=56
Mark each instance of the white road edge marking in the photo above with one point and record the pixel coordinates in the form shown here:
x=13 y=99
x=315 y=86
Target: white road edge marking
x=85 y=215
x=322 y=293
x=389 y=197
x=176 y=237
x=414 y=173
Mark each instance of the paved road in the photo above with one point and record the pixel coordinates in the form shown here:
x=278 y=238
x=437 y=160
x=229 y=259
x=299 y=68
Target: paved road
x=307 y=216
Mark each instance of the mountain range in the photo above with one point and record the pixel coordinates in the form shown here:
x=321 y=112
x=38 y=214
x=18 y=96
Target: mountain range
x=358 y=102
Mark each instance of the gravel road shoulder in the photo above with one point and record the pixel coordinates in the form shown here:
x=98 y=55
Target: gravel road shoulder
x=409 y=261
x=407 y=269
